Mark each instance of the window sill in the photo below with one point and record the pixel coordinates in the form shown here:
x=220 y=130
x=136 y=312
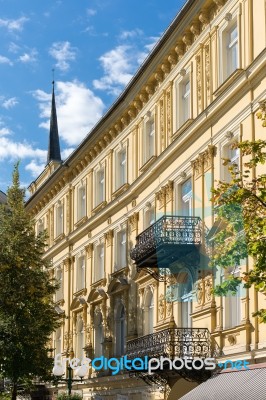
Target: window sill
x=182 y=128
x=80 y=292
x=81 y=221
x=99 y=207
x=227 y=82
x=59 y=237
x=120 y=190
x=147 y=164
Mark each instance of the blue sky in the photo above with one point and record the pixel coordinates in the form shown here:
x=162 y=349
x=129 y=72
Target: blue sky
x=94 y=46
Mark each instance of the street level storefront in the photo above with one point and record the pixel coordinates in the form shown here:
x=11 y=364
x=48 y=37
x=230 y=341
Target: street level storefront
x=233 y=385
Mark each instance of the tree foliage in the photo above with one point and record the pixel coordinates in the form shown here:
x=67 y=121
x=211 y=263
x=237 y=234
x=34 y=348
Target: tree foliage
x=241 y=205
x=27 y=314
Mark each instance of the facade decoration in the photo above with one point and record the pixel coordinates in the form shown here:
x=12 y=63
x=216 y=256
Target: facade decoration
x=115 y=251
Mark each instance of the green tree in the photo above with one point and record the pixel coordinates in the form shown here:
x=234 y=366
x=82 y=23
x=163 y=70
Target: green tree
x=27 y=314
x=242 y=219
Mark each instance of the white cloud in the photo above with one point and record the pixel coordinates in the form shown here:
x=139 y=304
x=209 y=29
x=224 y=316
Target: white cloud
x=13 y=25
x=11 y=150
x=130 y=34
x=5 y=131
x=119 y=65
x=91 y=11
x=35 y=168
x=63 y=53
x=78 y=109
x=9 y=103
x=5 y=60
x=154 y=41
x=29 y=57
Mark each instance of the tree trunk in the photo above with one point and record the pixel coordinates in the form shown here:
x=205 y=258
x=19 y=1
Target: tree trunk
x=14 y=391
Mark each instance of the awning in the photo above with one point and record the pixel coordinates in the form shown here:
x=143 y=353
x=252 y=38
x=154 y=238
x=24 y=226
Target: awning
x=234 y=385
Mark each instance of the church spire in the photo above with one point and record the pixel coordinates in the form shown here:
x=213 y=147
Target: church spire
x=54 y=145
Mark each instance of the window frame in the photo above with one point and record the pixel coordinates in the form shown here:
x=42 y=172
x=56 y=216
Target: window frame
x=81 y=201
x=149 y=147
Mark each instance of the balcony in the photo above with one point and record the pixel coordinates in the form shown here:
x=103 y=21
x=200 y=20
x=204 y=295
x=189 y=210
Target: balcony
x=170 y=239
x=172 y=343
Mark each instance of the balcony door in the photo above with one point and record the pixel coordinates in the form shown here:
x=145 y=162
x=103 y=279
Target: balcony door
x=186 y=198
x=186 y=301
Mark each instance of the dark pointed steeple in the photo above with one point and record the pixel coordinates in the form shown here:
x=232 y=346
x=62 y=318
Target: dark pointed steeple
x=54 y=153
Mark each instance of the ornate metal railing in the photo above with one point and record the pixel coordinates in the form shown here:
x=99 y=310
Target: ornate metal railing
x=168 y=230
x=171 y=343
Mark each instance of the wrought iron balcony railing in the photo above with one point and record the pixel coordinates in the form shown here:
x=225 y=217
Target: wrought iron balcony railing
x=168 y=239
x=171 y=343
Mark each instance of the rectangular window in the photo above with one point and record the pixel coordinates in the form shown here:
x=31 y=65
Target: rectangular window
x=121 y=173
x=121 y=258
x=99 y=263
x=232 y=50
x=99 y=187
x=149 y=139
x=232 y=304
x=81 y=202
x=59 y=219
x=186 y=198
x=59 y=279
x=80 y=273
x=233 y=157
x=183 y=100
x=149 y=217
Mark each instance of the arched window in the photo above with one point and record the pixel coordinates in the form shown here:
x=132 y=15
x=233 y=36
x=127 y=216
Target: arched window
x=148 y=313
x=80 y=339
x=98 y=334
x=120 y=330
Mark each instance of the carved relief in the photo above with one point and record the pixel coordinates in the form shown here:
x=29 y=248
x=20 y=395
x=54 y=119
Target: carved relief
x=208 y=73
x=208 y=157
x=179 y=49
x=89 y=250
x=109 y=237
x=208 y=290
x=162 y=135
x=199 y=83
x=160 y=197
x=169 y=188
x=195 y=29
x=187 y=39
x=199 y=292
x=133 y=221
x=169 y=113
x=204 y=18
x=161 y=307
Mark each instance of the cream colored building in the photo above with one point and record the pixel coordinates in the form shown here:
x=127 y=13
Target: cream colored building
x=156 y=154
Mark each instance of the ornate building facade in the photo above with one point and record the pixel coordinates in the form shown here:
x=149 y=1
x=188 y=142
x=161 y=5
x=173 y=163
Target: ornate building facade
x=133 y=202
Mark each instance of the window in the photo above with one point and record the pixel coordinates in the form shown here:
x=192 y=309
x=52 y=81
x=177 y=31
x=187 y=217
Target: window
x=149 y=217
x=81 y=202
x=183 y=99
x=40 y=226
x=120 y=331
x=99 y=263
x=121 y=168
x=80 y=273
x=186 y=300
x=186 y=198
x=233 y=155
x=229 y=49
x=58 y=341
x=148 y=322
x=80 y=339
x=99 y=187
x=121 y=256
x=59 y=219
x=98 y=334
x=149 y=139
x=59 y=278
x=232 y=304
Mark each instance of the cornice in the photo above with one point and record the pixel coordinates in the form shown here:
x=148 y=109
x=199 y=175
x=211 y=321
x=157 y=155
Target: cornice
x=95 y=146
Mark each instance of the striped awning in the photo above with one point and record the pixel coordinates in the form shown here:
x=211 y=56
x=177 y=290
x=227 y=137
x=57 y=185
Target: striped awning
x=234 y=385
